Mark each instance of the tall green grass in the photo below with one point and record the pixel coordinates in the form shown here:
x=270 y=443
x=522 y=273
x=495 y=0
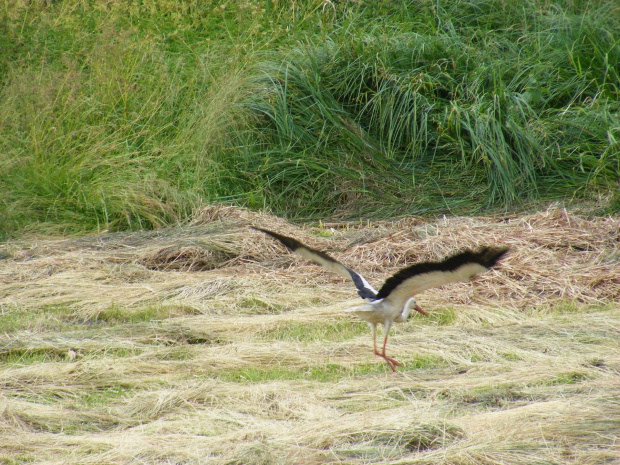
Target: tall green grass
x=480 y=105
x=108 y=112
x=121 y=116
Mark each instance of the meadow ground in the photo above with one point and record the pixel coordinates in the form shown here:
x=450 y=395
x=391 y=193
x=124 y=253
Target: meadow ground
x=210 y=344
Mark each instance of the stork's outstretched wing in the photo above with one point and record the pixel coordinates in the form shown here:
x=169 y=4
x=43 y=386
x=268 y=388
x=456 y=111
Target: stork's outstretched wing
x=458 y=268
x=365 y=290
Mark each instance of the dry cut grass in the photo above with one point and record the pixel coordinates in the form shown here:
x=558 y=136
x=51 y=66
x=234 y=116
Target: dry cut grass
x=210 y=344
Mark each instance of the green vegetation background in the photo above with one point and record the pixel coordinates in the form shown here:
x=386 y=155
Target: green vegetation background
x=125 y=115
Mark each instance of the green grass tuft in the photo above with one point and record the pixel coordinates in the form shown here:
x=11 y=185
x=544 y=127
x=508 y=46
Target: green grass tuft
x=32 y=356
x=572 y=377
x=501 y=396
x=256 y=306
x=68 y=317
x=439 y=316
x=511 y=357
x=102 y=396
x=19 y=459
x=14 y=318
x=331 y=372
x=567 y=307
x=341 y=330
x=119 y=315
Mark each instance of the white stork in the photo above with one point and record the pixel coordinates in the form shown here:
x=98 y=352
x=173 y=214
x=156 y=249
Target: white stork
x=394 y=300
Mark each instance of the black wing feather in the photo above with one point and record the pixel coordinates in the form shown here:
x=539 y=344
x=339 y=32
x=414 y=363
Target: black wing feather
x=294 y=244
x=486 y=256
x=364 y=289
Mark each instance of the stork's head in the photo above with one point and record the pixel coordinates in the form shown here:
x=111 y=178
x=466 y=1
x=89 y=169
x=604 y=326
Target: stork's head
x=412 y=304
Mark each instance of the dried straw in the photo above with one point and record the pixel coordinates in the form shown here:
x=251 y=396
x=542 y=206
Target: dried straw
x=554 y=256
x=506 y=383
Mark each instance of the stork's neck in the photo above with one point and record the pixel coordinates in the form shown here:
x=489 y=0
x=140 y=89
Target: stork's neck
x=409 y=305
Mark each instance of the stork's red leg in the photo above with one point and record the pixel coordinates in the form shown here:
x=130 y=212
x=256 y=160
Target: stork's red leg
x=390 y=361
x=374 y=342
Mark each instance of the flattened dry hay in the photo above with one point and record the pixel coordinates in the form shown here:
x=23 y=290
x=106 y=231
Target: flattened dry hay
x=211 y=343
x=554 y=255
x=186 y=259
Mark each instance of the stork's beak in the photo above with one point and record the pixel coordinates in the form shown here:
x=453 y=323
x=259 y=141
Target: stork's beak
x=418 y=309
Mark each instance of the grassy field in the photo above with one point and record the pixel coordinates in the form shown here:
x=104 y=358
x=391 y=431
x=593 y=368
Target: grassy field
x=133 y=115
x=210 y=344
x=143 y=321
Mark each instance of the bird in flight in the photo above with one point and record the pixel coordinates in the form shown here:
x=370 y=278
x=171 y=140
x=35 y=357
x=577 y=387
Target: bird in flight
x=393 y=302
